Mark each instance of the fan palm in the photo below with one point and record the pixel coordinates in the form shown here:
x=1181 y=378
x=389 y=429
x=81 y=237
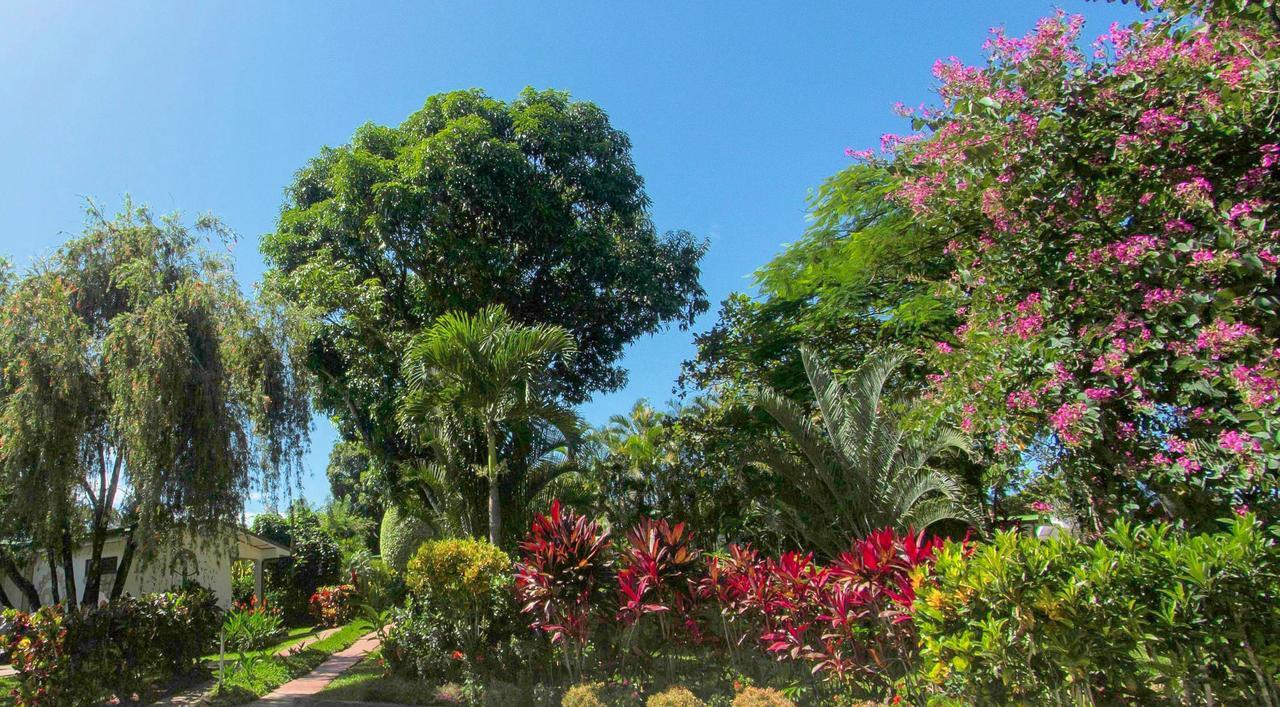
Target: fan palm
x=484 y=369
x=858 y=471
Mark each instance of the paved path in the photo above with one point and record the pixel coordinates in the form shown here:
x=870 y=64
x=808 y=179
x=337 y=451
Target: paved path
x=297 y=691
x=7 y=671
x=195 y=695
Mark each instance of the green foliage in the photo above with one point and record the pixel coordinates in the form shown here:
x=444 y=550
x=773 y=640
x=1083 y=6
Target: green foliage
x=533 y=204
x=87 y=655
x=402 y=534
x=335 y=605
x=135 y=367
x=1146 y=615
x=461 y=618
x=584 y=695
x=484 y=374
x=858 y=472
x=359 y=497
x=252 y=626
x=315 y=561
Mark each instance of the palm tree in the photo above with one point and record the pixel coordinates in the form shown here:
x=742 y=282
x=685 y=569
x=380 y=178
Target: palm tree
x=486 y=371
x=859 y=471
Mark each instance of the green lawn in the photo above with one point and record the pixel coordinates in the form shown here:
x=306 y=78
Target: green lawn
x=6 y=685
x=292 y=637
x=265 y=672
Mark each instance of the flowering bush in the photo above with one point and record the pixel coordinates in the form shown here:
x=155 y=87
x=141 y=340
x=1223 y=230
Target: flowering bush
x=562 y=577
x=1113 y=240
x=89 y=655
x=1145 y=616
x=252 y=625
x=335 y=605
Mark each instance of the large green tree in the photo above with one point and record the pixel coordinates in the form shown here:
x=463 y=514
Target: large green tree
x=139 y=386
x=534 y=204
x=485 y=372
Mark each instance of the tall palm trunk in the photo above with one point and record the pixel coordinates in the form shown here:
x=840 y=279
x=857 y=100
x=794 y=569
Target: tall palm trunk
x=495 y=510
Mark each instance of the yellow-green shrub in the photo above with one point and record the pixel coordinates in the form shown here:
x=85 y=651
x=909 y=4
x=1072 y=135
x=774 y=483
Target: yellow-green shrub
x=587 y=694
x=674 y=697
x=762 y=697
x=455 y=570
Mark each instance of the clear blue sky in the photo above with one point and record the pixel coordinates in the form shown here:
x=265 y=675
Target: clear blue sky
x=735 y=110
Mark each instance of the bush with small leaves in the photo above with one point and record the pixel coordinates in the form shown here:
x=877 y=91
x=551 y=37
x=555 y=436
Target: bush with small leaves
x=674 y=697
x=761 y=697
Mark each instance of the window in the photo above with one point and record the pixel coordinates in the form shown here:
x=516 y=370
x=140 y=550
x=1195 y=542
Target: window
x=107 y=565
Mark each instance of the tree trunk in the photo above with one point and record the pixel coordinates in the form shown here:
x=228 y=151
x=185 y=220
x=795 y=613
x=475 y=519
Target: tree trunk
x=53 y=577
x=122 y=569
x=23 y=584
x=105 y=500
x=4 y=599
x=495 y=510
x=68 y=564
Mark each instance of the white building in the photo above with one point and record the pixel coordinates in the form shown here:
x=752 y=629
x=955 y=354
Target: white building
x=208 y=563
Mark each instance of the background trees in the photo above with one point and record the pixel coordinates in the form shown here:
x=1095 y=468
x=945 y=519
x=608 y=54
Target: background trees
x=533 y=204
x=140 y=387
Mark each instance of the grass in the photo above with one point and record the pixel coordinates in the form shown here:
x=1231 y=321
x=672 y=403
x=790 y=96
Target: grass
x=6 y=685
x=365 y=682
x=292 y=637
x=263 y=673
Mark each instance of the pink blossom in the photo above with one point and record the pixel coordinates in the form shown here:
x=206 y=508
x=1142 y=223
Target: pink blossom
x=943 y=347
x=1259 y=390
x=1065 y=419
x=1221 y=336
x=1020 y=400
x=1202 y=256
x=1159 y=122
x=1233 y=441
x=1040 y=507
x=1099 y=393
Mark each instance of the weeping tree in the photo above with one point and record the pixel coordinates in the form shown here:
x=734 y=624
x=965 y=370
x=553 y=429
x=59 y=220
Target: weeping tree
x=488 y=373
x=140 y=387
x=857 y=471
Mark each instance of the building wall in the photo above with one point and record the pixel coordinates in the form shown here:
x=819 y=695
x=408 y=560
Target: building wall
x=210 y=566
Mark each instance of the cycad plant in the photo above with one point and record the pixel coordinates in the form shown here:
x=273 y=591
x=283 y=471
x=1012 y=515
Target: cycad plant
x=487 y=372
x=857 y=471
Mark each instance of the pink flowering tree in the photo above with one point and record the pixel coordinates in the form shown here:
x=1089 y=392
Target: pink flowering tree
x=1109 y=206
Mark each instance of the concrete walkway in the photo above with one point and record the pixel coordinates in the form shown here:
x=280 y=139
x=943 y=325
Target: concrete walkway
x=298 y=691
x=196 y=695
x=7 y=671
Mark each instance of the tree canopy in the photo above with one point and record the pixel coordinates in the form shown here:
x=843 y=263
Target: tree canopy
x=140 y=386
x=533 y=204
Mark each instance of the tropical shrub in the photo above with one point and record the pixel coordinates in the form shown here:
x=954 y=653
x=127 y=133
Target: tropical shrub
x=674 y=697
x=461 y=617
x=1107 y=219
x=1145 y=615
x=400 y=536
x=562 y=579
x=335 y=605
x=761 y=697
x=584 y=695
x=657 y=576
x=252 y=625
x=315 y=561
x=89 y=654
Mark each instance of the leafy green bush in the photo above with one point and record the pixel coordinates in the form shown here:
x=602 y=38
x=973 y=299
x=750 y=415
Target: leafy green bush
x=252 y=625
x=461 y=617
x=1144 y=616
x=88 y=655
x=316 y=561
x=400 y=536
x=587 y=694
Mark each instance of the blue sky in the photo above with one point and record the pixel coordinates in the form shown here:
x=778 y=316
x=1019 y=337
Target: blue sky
x=735 y=110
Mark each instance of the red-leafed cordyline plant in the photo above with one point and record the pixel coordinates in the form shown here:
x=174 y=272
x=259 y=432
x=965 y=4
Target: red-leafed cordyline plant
x=727 y=583
x=851 y=619
x=564 y=573
x=659 y=576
